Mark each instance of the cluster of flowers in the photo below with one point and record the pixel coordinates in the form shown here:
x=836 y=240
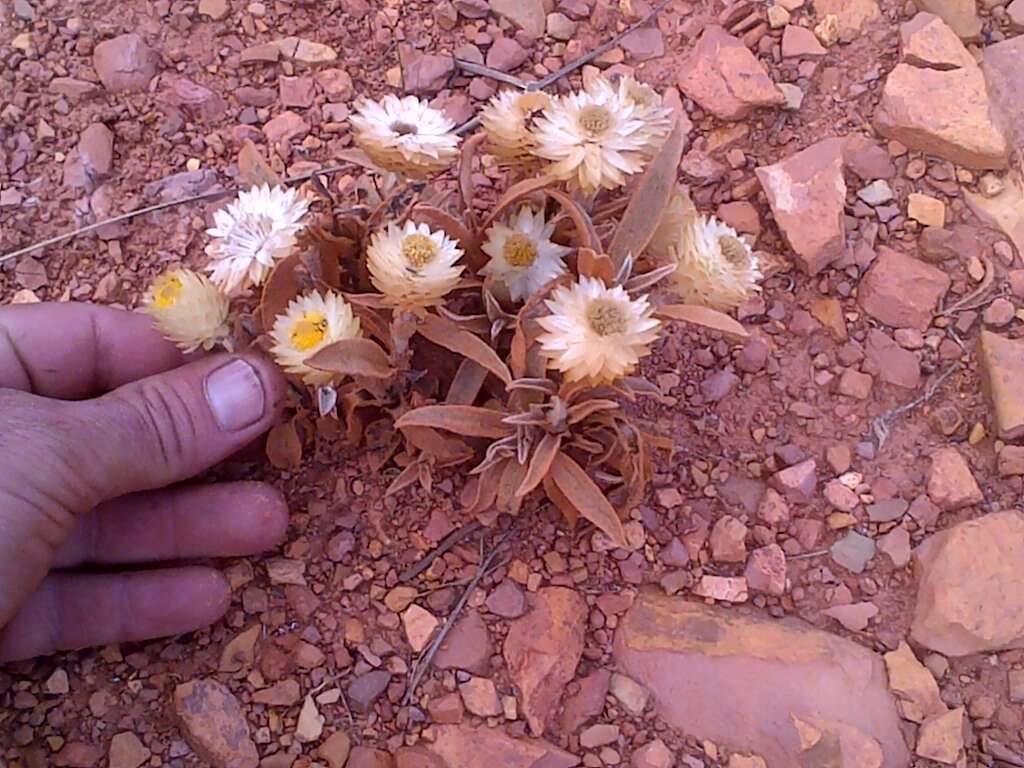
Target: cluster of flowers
x=592 y=139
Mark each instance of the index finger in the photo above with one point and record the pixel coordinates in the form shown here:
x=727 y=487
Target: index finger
x=73 y=351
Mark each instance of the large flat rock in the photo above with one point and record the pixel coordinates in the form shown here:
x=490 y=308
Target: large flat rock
x=970 y=597
x=463 y=746
x=799 y=697
x=1004 y=75
x=1002 y=362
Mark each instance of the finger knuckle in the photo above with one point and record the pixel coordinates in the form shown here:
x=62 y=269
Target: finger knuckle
x=163 y=421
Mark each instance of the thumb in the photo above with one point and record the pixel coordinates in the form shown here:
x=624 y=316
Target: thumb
x=174 y=425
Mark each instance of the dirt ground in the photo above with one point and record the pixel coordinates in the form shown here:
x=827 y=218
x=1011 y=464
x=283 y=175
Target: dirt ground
x=337 y=620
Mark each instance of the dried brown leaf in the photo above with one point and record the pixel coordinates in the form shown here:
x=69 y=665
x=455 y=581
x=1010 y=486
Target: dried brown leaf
x=559 y=499
x=583 y=494
x=466 y=385
x=650 y=198
x=405 y=478
x=353 y=357
x=590 y=263
x=446 y=334
x=466 y=420
x=284 y=448
x=283 y=286
x=446 y=451
x=709 y=318
x=253 y=170
x=510 y=480
x=455 y=229
x=540 y=463
x=513 y=194
x=469 y=149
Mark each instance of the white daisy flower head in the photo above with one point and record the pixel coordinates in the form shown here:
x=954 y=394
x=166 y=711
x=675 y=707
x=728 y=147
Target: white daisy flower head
x=715 y=267
x=522 y=254
x=412 y=265
x=252 y=234
x=595 y=333
x=508 y=121
x=188 y=310
x=405 y=135
x=311 y=322
x=596 y=139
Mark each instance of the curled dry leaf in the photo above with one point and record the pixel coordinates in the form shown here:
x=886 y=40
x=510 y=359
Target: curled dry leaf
x=585 y=497
x=284 y=285
x=709 y=318
x=650 y=199
x=253 y=170
x=284 y=448
x=466 y=420
x=455 y=229
x=540 y=463
x=446 y=334
x=353 y=357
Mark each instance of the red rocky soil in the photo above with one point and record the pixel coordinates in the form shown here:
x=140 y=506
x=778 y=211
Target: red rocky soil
x=796 y=595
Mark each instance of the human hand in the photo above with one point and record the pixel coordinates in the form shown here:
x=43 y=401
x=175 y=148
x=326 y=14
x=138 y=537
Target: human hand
x=97 y=415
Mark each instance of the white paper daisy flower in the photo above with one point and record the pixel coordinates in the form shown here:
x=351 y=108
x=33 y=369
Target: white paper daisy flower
x=647 y=105
x=522 y=254
x=715 y=267
x=310 y=323
x=413 y=266
x=595 y=333
x=508 y=120
x=595 y=139
x=405 y=135
x=188 y=310
x=252 y=234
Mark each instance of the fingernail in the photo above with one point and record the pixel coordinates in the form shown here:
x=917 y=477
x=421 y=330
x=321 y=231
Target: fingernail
x=235 y=394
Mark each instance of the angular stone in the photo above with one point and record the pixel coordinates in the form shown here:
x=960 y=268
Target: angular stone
x=126 y=751
x=297 y=92
x=368 y=757
x=852 y=15
x=213 y=724
x=927 y=41
x=855 y=384
x=480 y=697
x=588 y=703
x=894 y=365
x=462 y=745
x=944 y=113
x=951 y=484
x=854 y=551
x=599 y=735
x=644 y=44
x=507 y=600
x=364 y=690
x=855 y=616
x=1002 y=362
x=284 y=127
x=78 y=754
x=916 y=691
x=971 y=587
x=725 y=78
x=125 y=63
x=807 y=195
x=528 y=15
x=654 y=754
x=961 y=15
x=1011 y=461
x=305 y=51
x=901 y=291
x=728 y=540
x=629 y=693
x=1005 y=79
x=887 y=510
x=797 y=483
x=800 y=43
x=941 y=738
x=198 y=101
x=425 y=73
x=419 y=625
x=867 y=158
x=468 y=646
x=928 y=210
x=506 y=55
x=739 y=681
x=92 y=159
x=731 y=589
x=542 y=650
x=766 y=570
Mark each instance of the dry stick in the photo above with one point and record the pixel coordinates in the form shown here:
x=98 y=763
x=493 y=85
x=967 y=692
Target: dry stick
x=159 y=207
x=558 y=74
x=423 y=662
x=880 y=425
x=446 y=544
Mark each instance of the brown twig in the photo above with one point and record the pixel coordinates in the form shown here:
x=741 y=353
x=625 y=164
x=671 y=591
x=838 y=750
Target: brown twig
x=423 y=662
x=446 y=544
x=880 y=425
x=809 y=555
x=158 y=207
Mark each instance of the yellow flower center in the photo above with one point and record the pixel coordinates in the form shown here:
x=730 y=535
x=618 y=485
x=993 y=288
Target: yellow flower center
x=167 y=293
x=606 y=318
x=309 y=331
x=519 y=251
x=734 y=251
x=403 y=129
x=419 y=250
x=595 y=119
